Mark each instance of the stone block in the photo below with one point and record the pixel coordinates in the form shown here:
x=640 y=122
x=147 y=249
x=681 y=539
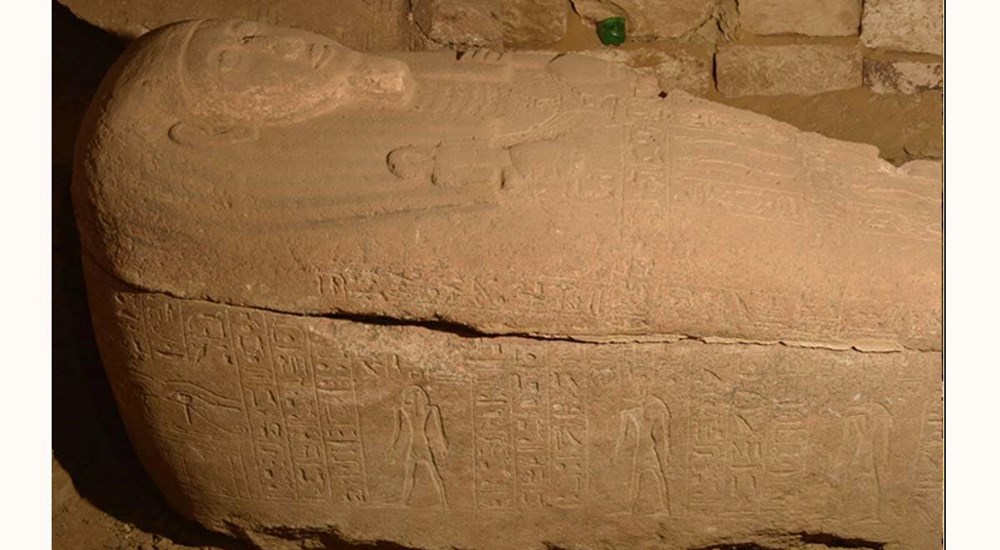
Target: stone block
x=743 y=70
x=807 y=17
x=905 y=76
x=690 y=71
x=650 y=19
x=905 y=25
x=533 y=23
x=460 y=23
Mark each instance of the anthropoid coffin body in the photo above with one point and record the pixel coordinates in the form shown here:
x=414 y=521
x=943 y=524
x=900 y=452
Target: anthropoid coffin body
x=521 y=301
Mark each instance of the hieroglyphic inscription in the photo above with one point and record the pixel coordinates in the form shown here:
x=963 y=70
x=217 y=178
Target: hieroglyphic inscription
x=570 y=438
x=746 y=446
x=786 y=463
x=531 y=437
x=712 y=170
x=741 y=200
x=543 y=297
x=336 y=395
x=494 y=459
x=215 y=412
x=163 y=324
x=648 y=174
x=708 y=447
x=299 y=407
x=261 y=395
x=265 y=406
x=130 y=313
x=746 y=451
x=207 y=335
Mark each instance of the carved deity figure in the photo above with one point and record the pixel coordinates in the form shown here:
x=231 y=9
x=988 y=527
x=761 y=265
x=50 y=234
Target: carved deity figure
x=419 y=435
x=864 y=459
x=644 y=443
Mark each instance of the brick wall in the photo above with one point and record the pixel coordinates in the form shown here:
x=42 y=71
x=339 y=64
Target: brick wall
x=747 y=47
x=774 y=47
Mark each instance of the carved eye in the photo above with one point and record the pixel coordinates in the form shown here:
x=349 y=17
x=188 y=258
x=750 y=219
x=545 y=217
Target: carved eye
x=229 y=59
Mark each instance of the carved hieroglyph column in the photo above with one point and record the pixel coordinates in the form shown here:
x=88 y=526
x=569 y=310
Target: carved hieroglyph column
x=491 y=301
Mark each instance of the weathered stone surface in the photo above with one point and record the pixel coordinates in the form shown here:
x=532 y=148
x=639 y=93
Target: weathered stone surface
x=257 y=422
x=786 y=69
x=531 y=23
x=360 y=24
x=887 y=75
x=433 y=299
x=650 y=19
x=908 y=25
x=460 y=23
x=808 y=17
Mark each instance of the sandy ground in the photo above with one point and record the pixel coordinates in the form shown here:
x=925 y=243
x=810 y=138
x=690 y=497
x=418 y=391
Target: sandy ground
x=102 y=500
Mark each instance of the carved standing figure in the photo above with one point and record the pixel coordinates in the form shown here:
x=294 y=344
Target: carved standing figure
x=864 y=459
x=419 y=434
x=644 y=438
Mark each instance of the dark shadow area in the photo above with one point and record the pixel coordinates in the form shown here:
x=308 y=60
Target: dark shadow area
x=329 y=540
x=88 y=439
x=834 y=541
x=777 y=540
x=737 y=546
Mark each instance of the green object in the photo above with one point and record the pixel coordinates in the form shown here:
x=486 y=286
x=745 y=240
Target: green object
x=611 y=31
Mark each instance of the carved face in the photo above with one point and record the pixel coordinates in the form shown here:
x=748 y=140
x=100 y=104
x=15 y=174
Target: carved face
x=415 y=396
x=250 y=72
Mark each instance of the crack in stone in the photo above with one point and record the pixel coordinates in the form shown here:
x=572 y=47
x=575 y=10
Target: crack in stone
x=774 y=540
x=464 y=330
x=835 y=541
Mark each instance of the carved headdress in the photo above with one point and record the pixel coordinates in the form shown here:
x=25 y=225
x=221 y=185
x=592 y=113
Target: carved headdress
x=203 y=84
x=233 y=74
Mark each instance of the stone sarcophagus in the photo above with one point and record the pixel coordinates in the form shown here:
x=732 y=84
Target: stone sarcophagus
x=505 y=301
